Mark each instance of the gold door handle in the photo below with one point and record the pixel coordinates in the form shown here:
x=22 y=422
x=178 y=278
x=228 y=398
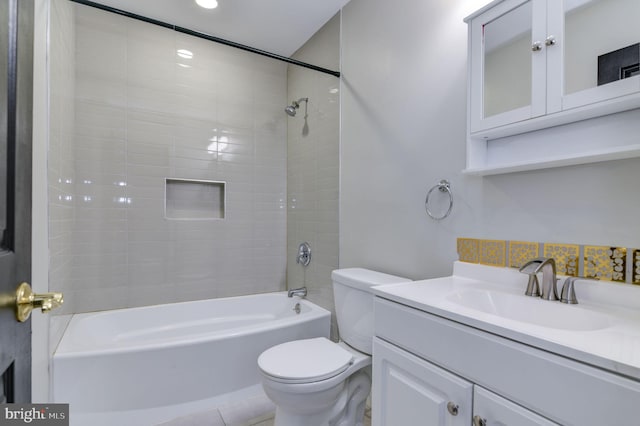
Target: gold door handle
x=25 y=300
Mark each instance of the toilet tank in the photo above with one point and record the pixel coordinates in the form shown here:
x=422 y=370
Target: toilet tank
x=354 y=304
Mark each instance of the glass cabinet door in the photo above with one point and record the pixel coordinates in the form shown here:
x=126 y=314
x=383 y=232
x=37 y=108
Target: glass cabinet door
x=601 y=50
x=509 y=63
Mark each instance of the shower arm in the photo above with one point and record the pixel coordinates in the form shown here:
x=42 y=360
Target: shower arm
x=296 y=104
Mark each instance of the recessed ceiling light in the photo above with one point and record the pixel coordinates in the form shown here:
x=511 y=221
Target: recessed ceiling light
x=207 y=4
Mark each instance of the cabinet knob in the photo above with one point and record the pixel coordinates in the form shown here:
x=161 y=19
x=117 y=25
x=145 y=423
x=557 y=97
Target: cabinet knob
x=550 y=41
x=453 y=408
x=479 y=421
x=537 y=46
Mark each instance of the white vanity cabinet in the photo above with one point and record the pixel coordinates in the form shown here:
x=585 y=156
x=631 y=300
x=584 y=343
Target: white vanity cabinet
x=425 y=363
x=547 y=59
x=410 y=391
x=490 y=409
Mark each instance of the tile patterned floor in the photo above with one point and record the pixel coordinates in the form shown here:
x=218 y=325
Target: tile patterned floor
x=269 y=422
x=256 y=411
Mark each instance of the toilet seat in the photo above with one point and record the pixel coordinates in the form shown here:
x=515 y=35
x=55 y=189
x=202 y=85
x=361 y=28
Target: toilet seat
x=305 y=361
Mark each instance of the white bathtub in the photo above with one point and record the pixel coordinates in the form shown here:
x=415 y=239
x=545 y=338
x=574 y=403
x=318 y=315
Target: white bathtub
x=145 y=365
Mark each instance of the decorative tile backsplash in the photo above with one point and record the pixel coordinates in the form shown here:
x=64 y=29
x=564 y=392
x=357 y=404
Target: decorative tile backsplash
x=606 y=263
x=493 y=253
x=566 y=257
x=520 y=252
x=635 y=259
x=468 y=250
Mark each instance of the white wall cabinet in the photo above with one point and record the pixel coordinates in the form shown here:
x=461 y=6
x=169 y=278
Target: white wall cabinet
x=507 y=78
x=536 y=64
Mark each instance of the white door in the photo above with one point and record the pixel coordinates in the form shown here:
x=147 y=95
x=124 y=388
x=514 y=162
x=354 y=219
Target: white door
x=16 y=71
x=409 y=391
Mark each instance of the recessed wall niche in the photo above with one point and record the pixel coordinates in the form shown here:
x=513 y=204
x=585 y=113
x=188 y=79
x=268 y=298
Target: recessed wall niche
x=194 y=199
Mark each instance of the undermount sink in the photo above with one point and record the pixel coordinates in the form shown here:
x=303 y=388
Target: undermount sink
x=530 y=310
x=603 y=329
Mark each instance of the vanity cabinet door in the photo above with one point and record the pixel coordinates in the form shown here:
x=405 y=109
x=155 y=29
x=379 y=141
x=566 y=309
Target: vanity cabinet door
x=508 y=64
x=408 y=390
x=490 y=409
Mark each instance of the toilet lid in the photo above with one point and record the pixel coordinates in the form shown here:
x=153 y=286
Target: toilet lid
x=304 y=361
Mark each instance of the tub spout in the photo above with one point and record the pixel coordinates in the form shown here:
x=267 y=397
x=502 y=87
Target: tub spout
x=301 y=292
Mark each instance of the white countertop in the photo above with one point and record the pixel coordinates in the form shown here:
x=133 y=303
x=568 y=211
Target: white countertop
x=614 y=346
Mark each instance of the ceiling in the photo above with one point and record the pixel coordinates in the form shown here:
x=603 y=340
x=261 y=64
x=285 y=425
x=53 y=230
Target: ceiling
x=277 y=26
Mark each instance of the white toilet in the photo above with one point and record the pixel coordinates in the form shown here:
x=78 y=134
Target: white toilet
x=316 y=382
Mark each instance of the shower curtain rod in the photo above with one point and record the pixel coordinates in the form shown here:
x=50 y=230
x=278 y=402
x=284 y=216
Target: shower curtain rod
x=207 y=37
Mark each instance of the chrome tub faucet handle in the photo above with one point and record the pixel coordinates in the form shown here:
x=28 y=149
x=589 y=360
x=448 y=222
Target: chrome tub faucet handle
x=304 y=254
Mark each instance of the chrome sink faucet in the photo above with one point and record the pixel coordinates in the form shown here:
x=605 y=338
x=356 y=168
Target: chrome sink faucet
x=546 y=265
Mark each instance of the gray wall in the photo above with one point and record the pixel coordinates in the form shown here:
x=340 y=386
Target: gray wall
x=403 y=129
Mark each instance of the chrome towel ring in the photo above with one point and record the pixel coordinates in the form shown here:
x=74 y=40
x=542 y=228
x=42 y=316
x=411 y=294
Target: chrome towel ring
x=443 y=186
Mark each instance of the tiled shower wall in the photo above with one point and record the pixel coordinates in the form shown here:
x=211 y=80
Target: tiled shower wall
x=152 y=104
x=61 y=158
x=313 y=166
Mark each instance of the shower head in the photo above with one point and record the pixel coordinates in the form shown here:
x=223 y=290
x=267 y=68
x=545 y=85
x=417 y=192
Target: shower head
x=291 y=109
